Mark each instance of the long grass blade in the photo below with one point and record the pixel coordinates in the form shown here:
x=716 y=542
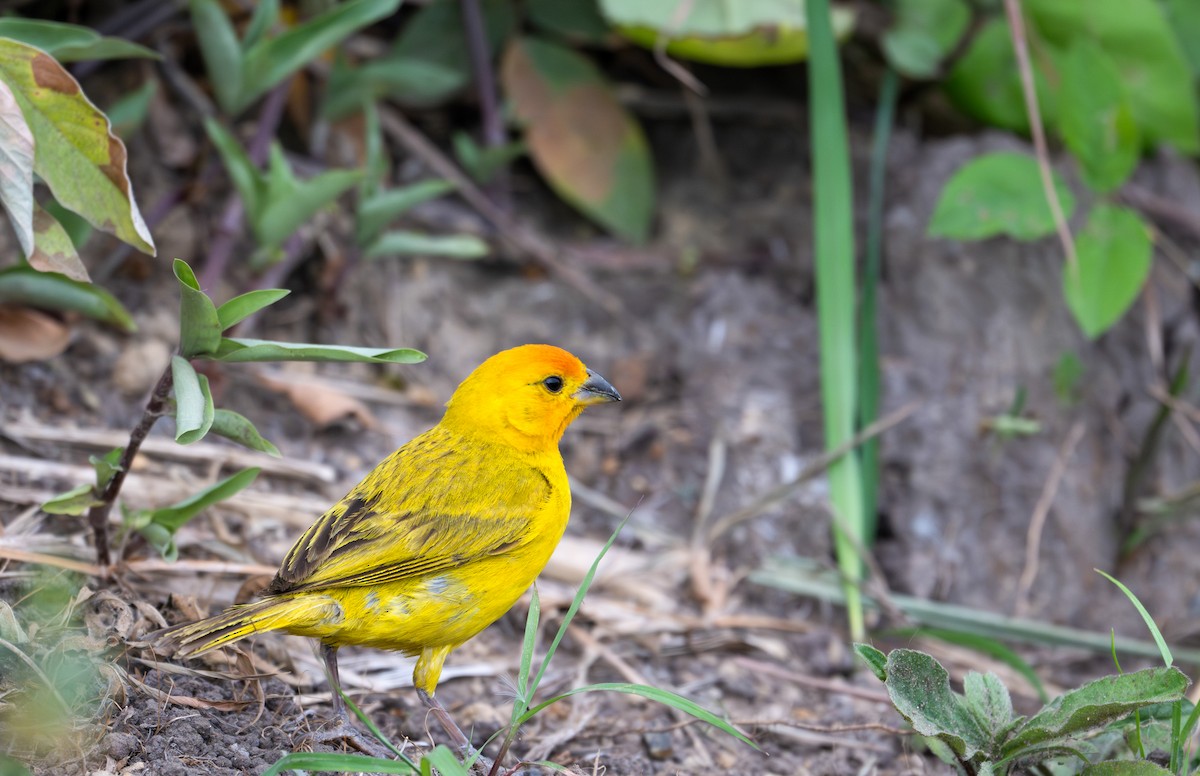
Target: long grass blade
x=337 y=763
x=834 y=256
x=1163 y=649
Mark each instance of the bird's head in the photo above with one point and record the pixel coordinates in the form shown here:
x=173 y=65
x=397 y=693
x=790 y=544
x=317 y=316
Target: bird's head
x=526 y=396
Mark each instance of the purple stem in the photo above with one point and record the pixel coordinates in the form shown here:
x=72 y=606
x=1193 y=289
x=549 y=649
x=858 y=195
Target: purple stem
x=494 y=135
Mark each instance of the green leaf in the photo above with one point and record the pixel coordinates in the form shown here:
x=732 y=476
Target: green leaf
x=987 y=645
x=445 y=761
x=75 y=501
x=238 y=428
x=920 y=690
x=924 y=32
x=129 y=112
x=76 y=227
x=271 y=60
x=589 y=148
x=376 y=212
x=247 y=178
x=16 y=168
x=53 y=249
x=1095 y=119
x=193 y=402
x=483 y=163
x=1096 y=704
x=997 y=194
x=875 y=660
x=199 y=325
x=1136 y=36
x=266 y=16
x=1124 y=768
x=236 y=350
x=336 y=763
x=401 y=243
x=1114 y=252
x=989 y=701
x=655 y=694
x=54 y=291
x=1183 y=16
x=1146 y=618
x=77 y=156
x=157 y=536
x=984 y=82
x=106 y=466
x=242 y=307
x=221 y=51
x=175 y=516
x=70 y=42
x=578 y=20
x=290 y=203
x=11 y=766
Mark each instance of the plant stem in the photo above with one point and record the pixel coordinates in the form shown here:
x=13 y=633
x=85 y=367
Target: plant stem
x=98 y=515
x=485 y=88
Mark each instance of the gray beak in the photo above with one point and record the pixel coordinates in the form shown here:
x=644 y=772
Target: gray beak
x=595 y=390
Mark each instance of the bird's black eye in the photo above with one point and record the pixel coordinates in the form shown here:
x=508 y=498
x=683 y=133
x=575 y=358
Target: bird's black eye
x=553 y=383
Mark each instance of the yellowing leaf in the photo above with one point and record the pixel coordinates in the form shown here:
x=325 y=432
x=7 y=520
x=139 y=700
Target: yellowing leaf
x=586 y=145
x=16 y=167
x=53 y=250
x=77 y=155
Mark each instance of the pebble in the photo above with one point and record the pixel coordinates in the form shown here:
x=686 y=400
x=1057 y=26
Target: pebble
x=120 y=746
x=658 y=745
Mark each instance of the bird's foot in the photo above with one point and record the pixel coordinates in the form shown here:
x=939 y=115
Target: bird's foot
x=342 y=730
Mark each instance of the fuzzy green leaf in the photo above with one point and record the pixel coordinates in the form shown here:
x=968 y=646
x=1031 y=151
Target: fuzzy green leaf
x=875 y=660
x=75 y=501
x=920 y=690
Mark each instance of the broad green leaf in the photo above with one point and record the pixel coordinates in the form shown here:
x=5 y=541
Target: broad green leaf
x=1114 y=252
x=193 y=402
x=1184 y=18
x=1096 y=704
x=75 y=501
x=587 y=146
x=1094 y=117
x=238 y=428
x=1137 y=38
x=920 y=690
x=236 y=350
x=77 y=156
x=129 y=112
x=577 y=20
x=53 y=250
x=336 y=763
x=923 y=33
x=986 y=645
x=1124 y=768
x=289 y=203
x=16 y=168
x=997 y=194
x=271 y=60
x=376 y=212
x=989 y=701
x=655 y=694
x=247 y=178
x=875 y=660
x=106 y=466
x=453 y=246
x=222 y=52
x=243 y=306
x=173 y=517
x=199 y=325
x=748 y=33
x=54 y=291
x=70 y=42
x=984 y=82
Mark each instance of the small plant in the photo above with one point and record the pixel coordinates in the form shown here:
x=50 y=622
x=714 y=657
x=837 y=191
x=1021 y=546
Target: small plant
x=184 y=393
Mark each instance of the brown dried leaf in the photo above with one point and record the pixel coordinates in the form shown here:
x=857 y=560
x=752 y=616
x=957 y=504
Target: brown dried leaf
x=321 y=404
x=30 y=335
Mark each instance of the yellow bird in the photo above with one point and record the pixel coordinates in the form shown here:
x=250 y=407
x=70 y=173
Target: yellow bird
x=442 y=537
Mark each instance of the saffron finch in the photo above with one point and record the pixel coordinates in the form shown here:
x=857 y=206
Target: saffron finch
x=441 y=538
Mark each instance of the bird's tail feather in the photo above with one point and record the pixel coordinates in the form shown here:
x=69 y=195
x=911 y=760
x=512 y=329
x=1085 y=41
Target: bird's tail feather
x=237 y=622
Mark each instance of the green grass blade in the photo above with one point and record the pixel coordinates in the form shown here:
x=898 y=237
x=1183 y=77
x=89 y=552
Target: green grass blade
x=578 y=600
x=1163 y=649
x=337 y=763
x=833 y=228
x=665 y=697
x=527 y=647
x=375 y=731
x=868 y=331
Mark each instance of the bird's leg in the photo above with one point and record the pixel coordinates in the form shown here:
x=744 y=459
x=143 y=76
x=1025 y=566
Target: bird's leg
x=455 y=732
x=345 y=730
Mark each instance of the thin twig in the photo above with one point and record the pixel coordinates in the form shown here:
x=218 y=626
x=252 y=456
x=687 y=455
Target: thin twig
x=1161 y=209
x=824 y=685
x=1033 y=538
x=780 y=492
x=98 y=515
x=1024 y=66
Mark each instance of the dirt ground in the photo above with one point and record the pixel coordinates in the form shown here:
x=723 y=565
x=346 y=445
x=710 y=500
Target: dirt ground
x=715 y=350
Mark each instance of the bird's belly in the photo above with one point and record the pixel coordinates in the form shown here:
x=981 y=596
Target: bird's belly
x=407 y=616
